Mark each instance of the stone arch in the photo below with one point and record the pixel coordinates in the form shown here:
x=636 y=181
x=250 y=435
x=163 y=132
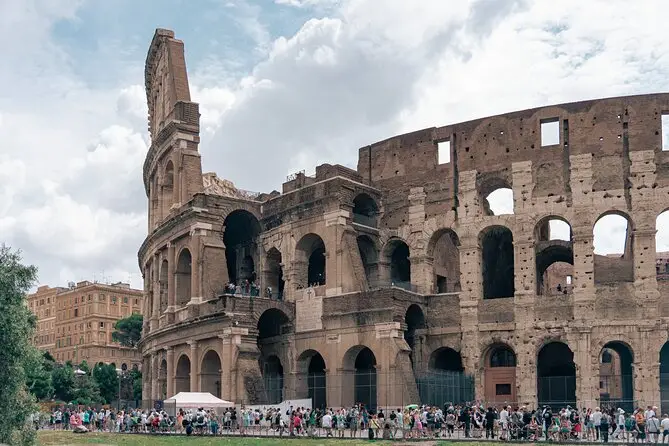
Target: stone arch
x=396 y=254
x=414 y=318
x=274 y=278
x=613 y=263
x=556 y=374
x=162 y=379
x=616 y=375
x=210 y=373
x=444 y=249
x=272 y=373
x=184 y=277
x=664 y=377
x=445 y=380
x=365 y=210
x=167 y=188
x=361 y=360
x=311 y=367
x=446 y=359
x=497 y=262
x=182 y=374
x=240 y=236
x=554 y=256
x=495 y=187
x=369 y=256
x=310 y=261
x=500 y=373
x=163 y=283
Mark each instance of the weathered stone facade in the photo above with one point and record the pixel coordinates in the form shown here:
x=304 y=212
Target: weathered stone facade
x=396 y=271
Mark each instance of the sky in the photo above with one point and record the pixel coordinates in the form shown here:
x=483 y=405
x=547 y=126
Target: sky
x=283 y=85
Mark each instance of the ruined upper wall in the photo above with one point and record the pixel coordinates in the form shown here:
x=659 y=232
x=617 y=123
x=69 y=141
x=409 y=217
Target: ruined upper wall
x=609 y=129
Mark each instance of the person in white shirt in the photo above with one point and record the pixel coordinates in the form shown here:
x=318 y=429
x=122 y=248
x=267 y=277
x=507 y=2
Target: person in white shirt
x=620 y=425
x=504 y=423
x=597 y=420
x=664 y=425
x=326 y=422
x=653 y=428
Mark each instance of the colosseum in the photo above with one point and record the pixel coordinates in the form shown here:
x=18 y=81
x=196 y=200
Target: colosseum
x=396 y=283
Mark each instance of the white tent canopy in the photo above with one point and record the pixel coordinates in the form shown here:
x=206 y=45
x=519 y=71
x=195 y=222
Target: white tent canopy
x=195 y=400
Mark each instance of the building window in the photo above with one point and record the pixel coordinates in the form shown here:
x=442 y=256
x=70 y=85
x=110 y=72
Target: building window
x=76 y=312
x=502 y=389
x=135 y=301
x=102 y=325
x=125 y=300
x=113 y=299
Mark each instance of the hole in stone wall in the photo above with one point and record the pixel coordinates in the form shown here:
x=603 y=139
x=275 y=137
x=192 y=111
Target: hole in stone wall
x=550 y=132
x=662 y=246
x=497 y=262
x=444 y=152
x=500 y=202
x=665 y=132
x=554 y=256
x=612 y=242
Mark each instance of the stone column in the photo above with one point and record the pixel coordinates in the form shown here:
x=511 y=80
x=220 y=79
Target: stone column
x=171 y=290
x=226 y=362
x=587 y=369
x=584 y=277
x=146 y=381
x=196 y=266
x=155 y=371
x=194 y=367
x=170 y=371
x=155 y=287
x=422 y=274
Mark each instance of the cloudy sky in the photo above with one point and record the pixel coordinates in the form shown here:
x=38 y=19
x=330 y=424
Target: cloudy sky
x=283 y=85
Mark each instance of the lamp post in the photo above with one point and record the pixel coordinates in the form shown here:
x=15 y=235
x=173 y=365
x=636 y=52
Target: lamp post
x=118 y=403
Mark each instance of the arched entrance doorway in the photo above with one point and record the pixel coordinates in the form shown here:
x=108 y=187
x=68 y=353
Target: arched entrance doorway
x=182 y=378
x=274 y=273
x=445 y=252
x=310 y=261
x=210 y=374
x=414 y=320
x=556 y=375
x=397 y=253
x=312 y=381
x=500 y=375
x=445 y=380
x=272 y=325
x=365 y=379
x=616 y=380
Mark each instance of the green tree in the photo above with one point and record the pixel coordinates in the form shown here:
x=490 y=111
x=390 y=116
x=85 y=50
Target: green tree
x=17 y=325
x=136 y=385
x=107 y=379
x=127 y=331
x=86 y=390
x=38 y=375
x=62 y=378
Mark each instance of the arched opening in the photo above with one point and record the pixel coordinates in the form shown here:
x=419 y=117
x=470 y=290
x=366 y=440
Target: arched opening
x=164 y=268
x=497 y=262
x=274 y=274
x=613 y=242
x=500 y=375
x=414 y=320
x=210 y=374
x=616 y=381
x=365 y=378
x=162 y=379
x=445 y=380
x=182 y=377
x=183 y=277
x=272 y=325
x=317 y=381
x=241 y=250
x=312 y=381
x=272 y=373
x=445 y=252
x=167 y=192
x=554 y=256
x=556 y=375
x=365 y=210
x=662 y=247
x=496 y=195
x=370 y=259
x=664 y=377
x=397 y=253
x=310 y=261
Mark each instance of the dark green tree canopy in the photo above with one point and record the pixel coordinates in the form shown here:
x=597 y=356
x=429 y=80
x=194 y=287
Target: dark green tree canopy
x=128 y=331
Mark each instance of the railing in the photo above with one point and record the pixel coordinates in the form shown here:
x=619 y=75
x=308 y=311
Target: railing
x=365 y=220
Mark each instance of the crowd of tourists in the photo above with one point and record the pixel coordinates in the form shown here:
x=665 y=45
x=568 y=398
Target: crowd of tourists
x=452 y=421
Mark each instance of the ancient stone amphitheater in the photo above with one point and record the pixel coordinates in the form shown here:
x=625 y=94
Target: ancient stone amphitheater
x=395 y=283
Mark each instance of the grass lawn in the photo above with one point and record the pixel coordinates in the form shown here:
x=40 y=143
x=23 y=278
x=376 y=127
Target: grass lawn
x=68 y=438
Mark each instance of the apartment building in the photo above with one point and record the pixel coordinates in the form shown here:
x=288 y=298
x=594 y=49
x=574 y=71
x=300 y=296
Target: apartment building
x=76 y=323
